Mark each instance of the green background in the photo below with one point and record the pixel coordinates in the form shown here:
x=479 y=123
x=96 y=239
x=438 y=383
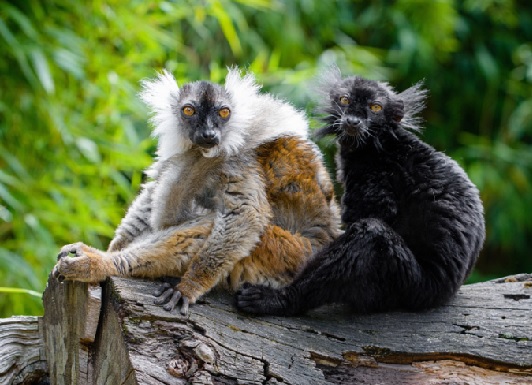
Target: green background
x=74 y=137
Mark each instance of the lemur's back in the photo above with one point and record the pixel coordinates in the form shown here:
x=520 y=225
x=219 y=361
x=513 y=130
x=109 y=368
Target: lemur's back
x=300 y=189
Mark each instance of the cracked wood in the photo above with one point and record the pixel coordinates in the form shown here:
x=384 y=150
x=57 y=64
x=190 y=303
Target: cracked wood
x=484 y=336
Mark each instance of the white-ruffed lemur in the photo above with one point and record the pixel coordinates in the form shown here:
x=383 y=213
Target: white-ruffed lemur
x=414 y=221
x=238 y=193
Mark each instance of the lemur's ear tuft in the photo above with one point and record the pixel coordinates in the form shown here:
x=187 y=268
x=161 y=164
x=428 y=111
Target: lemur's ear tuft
x=324 y=87
x=161 y=95
x=241 y=85
x=329 y=78
x=413 y=99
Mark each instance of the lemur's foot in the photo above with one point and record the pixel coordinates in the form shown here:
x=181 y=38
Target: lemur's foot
x=256 y=299
x=170 y=296
x=84 y=264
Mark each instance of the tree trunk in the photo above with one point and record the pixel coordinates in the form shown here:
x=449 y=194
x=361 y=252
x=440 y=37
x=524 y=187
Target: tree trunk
x=118 y=336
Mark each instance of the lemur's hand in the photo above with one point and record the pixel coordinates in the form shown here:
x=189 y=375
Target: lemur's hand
x=86 y=264
x=171 y=296
x=257 y=299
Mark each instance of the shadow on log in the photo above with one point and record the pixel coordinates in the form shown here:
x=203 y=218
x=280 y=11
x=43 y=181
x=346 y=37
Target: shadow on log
x=117 y=336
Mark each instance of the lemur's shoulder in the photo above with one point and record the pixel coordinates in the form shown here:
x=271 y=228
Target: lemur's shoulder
x=289 y=155
x=295 y=164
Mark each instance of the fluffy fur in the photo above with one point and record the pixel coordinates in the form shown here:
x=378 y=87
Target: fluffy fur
x=256 y=117
x=414 y=221
x=237 y=194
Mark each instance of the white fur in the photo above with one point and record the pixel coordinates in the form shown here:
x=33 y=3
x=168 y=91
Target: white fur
x=255 y=118
x=161 y=96
x=258 y=118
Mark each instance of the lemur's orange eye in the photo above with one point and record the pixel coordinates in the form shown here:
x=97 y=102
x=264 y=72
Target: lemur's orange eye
x=189 y=110
x=224 y=112
x=375 y=107
x=344 y=100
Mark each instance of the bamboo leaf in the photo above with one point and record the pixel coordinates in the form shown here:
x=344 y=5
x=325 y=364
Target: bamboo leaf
x=17 y=290
x=40 y=63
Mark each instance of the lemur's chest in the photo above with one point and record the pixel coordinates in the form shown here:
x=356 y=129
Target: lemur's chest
x=373 y=173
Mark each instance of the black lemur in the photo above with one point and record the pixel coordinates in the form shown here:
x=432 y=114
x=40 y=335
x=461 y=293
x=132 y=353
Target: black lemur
x=414 y=223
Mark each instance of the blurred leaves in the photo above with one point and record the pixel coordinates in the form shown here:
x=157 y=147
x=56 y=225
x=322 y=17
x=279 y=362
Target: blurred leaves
x=74 y=137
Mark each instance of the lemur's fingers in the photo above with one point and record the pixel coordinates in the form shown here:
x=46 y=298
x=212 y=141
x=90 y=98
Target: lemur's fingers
x=249 y=298
x=69 y=249
x=161 y=289
x=80 y=266
x=57 y=274
x=174 y=300
x=184 y=307
x=170 y=297
x=250 y=292
x=77 y=269
x=256 y=299
x=163 y=294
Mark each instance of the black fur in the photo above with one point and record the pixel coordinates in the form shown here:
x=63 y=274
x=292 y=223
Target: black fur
x=414 y=221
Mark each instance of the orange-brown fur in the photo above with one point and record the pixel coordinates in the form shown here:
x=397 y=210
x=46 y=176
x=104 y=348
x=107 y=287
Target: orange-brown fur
x=302 y=216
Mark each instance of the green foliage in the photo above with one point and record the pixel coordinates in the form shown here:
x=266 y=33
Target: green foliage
x=74 y=138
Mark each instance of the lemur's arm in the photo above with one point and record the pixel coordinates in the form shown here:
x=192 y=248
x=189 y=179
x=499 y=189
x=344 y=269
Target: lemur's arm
x=136 y=221
x=237 y=229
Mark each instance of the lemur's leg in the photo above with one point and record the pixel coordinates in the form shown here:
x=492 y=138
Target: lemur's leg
x=275 y=261
x=155 y=254
x=368 y=267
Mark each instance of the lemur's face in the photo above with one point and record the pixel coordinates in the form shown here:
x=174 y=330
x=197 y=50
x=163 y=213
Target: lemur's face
x=204 y=111
x=360 y=109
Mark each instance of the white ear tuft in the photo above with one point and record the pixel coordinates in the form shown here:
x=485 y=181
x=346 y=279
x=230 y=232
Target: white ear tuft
x=258 y=117
x=161 y=95
x=241 y=87
x=244 y=92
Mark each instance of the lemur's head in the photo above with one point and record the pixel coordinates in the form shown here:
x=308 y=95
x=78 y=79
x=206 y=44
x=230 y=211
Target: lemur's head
x=203 y=111
x=218 y=120
x=359 y=111
x=197 y=115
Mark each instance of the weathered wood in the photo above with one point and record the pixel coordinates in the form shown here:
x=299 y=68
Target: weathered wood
x=71 y=318
x=483 y=337
x=22 y=357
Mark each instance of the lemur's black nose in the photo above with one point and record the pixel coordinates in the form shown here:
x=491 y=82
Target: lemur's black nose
x=352 y=121
x=208 y=135
x=207 y=138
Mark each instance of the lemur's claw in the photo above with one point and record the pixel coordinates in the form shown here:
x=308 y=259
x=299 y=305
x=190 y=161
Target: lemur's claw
x=184 y=306
x=170 y=297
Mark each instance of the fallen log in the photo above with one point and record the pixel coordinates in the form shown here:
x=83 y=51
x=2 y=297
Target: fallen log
x=114 y=334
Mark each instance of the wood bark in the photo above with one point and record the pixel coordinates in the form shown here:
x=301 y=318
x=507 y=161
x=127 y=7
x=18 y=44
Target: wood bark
x=484 y=336
x=22 y=357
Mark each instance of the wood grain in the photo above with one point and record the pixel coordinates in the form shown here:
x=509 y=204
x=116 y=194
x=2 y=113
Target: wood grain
x=484 y=336
x=22 y=357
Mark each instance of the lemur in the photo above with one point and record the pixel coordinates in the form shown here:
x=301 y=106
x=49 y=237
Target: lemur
x=414 y=223
x=237 y=193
